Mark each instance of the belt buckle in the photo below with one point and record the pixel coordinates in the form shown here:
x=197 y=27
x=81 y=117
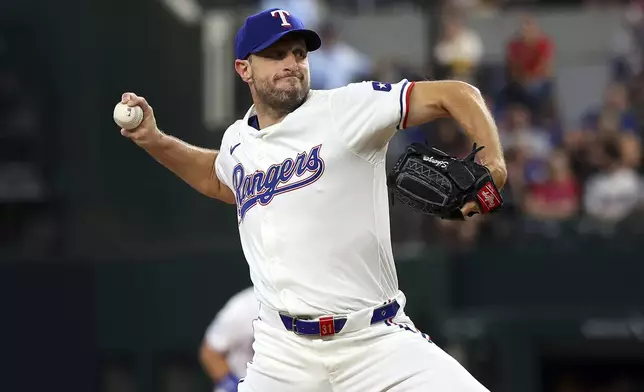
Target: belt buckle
x=294 y=326
x=293 y=322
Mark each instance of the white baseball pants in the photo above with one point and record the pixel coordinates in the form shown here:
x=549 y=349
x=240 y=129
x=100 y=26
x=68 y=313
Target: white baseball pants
x=388 y=356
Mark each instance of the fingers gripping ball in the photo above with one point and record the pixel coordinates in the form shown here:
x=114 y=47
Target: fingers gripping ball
x=127 y=117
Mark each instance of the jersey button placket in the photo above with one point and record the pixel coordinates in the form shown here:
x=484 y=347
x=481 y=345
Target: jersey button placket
x=268 y=234
x=260 y=149
x=268 y=237
x=270 y=231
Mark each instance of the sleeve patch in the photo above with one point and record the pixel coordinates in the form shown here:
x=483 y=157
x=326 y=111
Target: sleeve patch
x=379 y=86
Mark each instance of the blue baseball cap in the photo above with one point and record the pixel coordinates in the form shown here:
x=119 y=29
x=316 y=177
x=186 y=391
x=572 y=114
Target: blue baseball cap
x=263 y=29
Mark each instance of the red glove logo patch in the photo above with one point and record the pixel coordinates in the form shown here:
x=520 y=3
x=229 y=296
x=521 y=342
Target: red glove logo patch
x=488 y=197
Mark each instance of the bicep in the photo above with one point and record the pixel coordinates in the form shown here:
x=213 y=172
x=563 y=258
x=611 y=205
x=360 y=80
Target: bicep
x=428 y=100
x=225 y=194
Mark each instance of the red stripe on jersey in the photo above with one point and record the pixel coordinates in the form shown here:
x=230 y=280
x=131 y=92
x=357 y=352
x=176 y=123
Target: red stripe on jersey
x=407 y=96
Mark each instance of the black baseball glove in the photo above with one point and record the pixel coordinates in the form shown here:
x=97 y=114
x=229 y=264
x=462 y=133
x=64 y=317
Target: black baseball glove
x=434 y=183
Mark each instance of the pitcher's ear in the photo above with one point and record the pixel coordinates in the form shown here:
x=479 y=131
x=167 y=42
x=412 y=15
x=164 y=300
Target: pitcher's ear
x=244 y=70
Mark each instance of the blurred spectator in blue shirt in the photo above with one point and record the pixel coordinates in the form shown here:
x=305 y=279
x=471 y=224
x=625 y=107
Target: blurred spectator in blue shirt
x=613 y=118
x=614 y=113
x=517 y=131
x=337 y=63
x=534 y=143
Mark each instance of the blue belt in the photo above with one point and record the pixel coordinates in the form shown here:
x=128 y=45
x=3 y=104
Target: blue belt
x=331 y=325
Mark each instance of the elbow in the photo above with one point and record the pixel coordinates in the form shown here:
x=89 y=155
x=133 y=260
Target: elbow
x=441 y=99
x=217 y=190
x=226 y=197
x=460 y=87
x=206 y=357
x=467 y=90
x=209 y=357
x=209 y=190
x=458 y=94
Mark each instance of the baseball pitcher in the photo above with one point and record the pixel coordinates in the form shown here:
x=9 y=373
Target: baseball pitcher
x=306 y=172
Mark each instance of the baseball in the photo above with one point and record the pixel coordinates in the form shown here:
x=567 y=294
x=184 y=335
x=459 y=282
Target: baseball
x=127 y=117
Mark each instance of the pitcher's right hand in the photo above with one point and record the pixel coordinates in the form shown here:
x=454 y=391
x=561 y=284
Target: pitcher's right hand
x=147 y=133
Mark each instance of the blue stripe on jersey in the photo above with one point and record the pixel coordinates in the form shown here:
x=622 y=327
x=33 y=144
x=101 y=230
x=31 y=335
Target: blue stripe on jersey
x=391 y=323
x=402 y=97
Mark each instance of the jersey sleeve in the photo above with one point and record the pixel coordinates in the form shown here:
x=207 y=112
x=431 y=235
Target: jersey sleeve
x=219 y=167
x=222 y=334
x=367 y=114
x=222 y=162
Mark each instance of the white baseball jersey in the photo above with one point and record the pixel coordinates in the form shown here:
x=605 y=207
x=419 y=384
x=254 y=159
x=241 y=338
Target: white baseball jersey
x=231 y=331
x=312 y=201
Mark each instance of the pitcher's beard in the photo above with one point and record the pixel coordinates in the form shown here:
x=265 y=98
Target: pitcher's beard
x=281 y=101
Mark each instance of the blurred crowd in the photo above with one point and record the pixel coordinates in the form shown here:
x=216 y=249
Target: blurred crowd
x=581 y=179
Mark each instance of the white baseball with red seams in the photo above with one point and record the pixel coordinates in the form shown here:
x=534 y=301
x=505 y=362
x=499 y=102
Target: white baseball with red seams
x=127 y=117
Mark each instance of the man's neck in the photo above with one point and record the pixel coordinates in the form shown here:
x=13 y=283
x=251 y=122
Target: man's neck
x=267 y=116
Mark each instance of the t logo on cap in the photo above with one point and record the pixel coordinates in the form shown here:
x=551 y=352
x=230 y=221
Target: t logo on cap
x=282 y=14
x=261 y=31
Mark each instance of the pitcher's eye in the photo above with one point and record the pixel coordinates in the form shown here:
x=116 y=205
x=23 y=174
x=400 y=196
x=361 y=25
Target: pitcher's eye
x=277 y=54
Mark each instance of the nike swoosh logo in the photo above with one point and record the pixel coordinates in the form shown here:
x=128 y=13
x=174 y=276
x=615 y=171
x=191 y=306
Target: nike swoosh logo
x=233 y=148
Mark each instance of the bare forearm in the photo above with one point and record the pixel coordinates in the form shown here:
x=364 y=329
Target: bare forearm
x=466 y=105
x=213 y=363
x=194 y=165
